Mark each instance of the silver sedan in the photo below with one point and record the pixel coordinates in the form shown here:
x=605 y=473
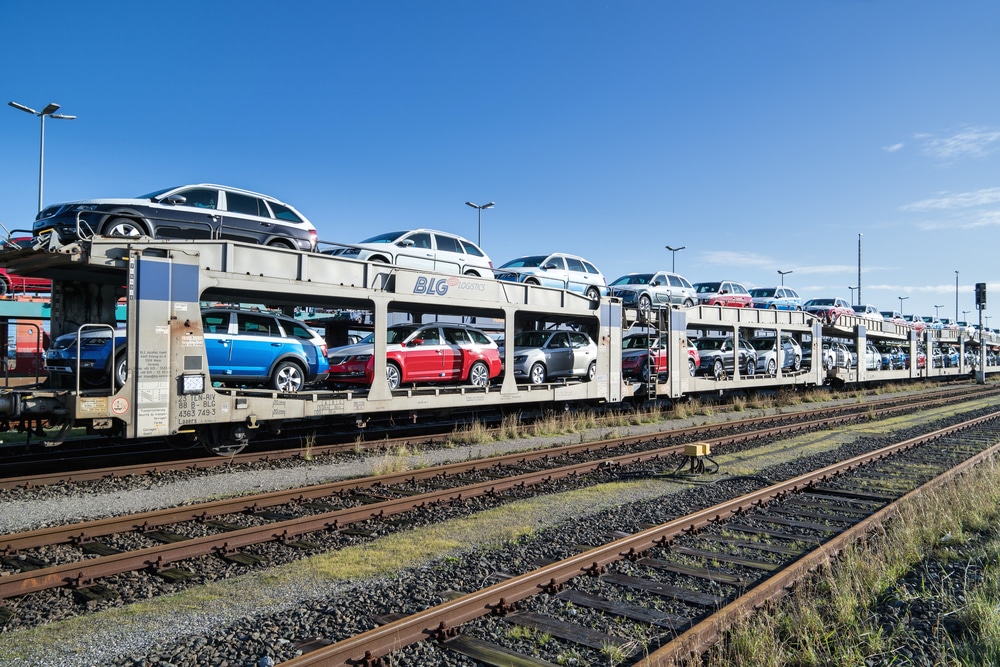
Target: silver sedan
x=541 y=355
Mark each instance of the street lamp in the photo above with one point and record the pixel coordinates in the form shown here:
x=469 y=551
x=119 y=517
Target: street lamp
x=673 y=257
x=937 y=311
x=852 y=291
x=859 y=268
x=956 y=295
x=965 y=314
x=901 y=299
x=50 y=111
x=480 y=207
x=783 y=274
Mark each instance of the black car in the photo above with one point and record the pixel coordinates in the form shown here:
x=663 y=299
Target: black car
x=202 y=211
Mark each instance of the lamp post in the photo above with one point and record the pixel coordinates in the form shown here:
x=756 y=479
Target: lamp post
x=937 y=311
x=48 y=111
x=673 y=256
x=901 y=299
x=859 y=268
x=852 y=292
x=956 y=295
x=480 y=207
x=783 y=274
x=965 y=314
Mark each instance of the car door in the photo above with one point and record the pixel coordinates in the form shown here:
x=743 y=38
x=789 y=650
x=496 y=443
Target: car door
x=218 y=341
x=257 y=344
x=455 y=355
x=552 y=272
x=583 y=352
x=415 y=251
x=578 y=276
x=559 y=354
x=448 y=254
x=425 y=359
x=246 y=219
x=197 y=217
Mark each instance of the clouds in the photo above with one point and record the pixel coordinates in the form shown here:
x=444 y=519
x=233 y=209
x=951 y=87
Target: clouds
x=971 y=142
x=955 y=201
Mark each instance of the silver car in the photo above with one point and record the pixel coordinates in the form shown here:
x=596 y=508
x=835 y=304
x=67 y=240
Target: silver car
x=767 y=356
x=558 y=270
x=541 y=355
x=422 y=249
x=646 y=291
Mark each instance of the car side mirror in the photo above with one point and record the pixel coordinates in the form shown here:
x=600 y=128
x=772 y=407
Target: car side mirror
x=548 y=266
x=415 y=342
x=406 y=243
x=175 y=199
x=725 y=291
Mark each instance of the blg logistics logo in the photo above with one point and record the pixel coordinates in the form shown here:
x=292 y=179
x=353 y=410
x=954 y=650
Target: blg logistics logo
x=440 y=286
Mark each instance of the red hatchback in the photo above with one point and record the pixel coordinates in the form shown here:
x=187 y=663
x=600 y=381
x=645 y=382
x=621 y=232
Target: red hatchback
x=437 y=352
x=723 y=293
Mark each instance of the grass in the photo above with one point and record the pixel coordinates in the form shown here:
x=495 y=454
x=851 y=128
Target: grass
x=835 y=617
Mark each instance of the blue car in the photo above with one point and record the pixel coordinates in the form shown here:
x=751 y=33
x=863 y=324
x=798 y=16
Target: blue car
x=776 y=298
x=244 y=347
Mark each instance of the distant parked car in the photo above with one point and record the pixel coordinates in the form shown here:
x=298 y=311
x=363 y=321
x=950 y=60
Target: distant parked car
x=422 y=249
x=915 y=322
x=542 y=355
x=646 y=291
x=434 y=352
x=776 y=298
x=893 y=316
x=718 y=357
x=932 y=322
x=948 y=325
x=829 y=309
x=202 y=211
x=868 y=312
x=950 y=356
x=837 y=355
x=892 y=357
x=873 y=358
x=767 y=356
x=639 y=348
x=557 y=270
x=723 y=293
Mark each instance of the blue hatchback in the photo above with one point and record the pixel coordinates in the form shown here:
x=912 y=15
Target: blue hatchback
x=244 y=347
x=776 y=298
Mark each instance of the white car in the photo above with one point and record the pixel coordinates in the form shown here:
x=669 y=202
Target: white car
x=867 y=311
x=422 y=249
x=558 y=270
x=646 y=291
x=767 y=355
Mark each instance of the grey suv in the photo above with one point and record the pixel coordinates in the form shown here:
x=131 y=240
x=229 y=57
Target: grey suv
x=202 y=211
x=646 y=291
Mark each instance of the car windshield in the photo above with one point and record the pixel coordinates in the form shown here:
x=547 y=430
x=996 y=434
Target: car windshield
x=638 y=342
x=531 y=338
x=524 y=262
x=762 y=343
x=634 y=279
x=819 y=302
x=388 y=237
x=703 y=288
x=761 y=292
x=399 y=334
x=860 y=309
x=156 y=193
x=711 y=343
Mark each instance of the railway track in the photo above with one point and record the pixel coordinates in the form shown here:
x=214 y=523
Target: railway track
x=14 y=473
x=693 y=575
x=80 y=556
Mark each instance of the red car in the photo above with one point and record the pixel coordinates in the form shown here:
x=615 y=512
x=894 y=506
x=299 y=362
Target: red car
x=639 y=348
x=723 y=293
x=12 y=283
x=828 y=310
x=437 y=352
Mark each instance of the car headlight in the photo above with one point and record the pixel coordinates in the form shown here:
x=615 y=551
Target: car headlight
x=85 y=207
x=362 y=357
x=350 y=251
x=520 y=358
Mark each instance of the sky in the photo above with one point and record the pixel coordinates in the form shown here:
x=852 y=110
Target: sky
x=776 y=135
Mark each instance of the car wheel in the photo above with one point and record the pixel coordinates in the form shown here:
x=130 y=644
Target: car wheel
x=378 y=260
x=591 y=371
x=121 y=368
x=772 y=367
x=751 y=367
x=531 y=281
x=123 y=227
x=393 y=376
x=479 y=374
x=4 y=287
x=537 y=373
x=287 y=377
x=593 y=293
x=718 y=370
x=645 y=305
x=772 y=307
x=797 y=364
x=692 y=367
x=688 y=303
x=826 y=363
x=472 y=273
x=281 y=244
x=644 y=371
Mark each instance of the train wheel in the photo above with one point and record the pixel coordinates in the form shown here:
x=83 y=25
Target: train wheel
x=225 y=439
x=537 y=373
x=479 y=375
x=183 y=441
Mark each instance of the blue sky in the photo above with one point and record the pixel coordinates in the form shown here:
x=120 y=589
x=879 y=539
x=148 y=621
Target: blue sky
x=763 y=136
